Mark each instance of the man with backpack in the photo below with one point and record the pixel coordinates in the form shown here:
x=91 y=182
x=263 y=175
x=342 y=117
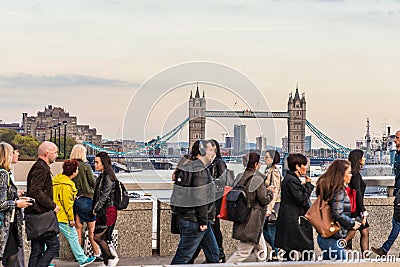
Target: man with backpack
x=249 y=231
x=193 y=200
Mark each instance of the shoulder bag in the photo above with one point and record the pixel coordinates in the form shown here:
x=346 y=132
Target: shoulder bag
x=320 y=217
x=41 y=225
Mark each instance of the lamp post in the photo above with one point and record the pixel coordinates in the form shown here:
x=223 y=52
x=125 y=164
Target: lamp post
x=65 y=139
x=51 y=133
x=55 y=134
x=59 y=136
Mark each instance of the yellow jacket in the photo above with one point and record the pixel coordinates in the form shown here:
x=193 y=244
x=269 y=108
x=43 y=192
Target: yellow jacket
x=64 y=192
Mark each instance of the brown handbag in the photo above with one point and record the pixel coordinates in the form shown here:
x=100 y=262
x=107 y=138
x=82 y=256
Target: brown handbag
x=320 y=216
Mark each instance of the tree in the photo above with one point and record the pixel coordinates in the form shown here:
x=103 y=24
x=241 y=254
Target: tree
x=29 y=147
x=70 y=143
x=7 y=135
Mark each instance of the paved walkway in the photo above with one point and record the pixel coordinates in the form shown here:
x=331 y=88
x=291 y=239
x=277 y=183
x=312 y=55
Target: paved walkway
x=157 y=261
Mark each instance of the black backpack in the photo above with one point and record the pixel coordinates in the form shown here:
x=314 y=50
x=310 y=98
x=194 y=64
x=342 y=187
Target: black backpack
x=121 y=196
x=237 y=203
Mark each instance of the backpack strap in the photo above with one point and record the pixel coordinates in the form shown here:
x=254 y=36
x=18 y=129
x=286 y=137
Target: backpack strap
x=247 y=180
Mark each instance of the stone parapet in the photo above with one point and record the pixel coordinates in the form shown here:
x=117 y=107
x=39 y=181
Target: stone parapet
x=380 y=215
x=134 y=225
x=167 y=242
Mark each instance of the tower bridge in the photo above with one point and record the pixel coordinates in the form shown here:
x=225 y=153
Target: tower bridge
x=198 y=114
x=295 y=115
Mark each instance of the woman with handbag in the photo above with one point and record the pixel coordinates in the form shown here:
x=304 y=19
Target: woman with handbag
x=357 y=160
x=249 y=232
x=103 y=207
x=217 y=168
x=10 y=210
x=331 y=187
x=274 y=179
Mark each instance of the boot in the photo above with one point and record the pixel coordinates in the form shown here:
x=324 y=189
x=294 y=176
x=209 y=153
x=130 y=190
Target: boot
x=378 y=251
x=222 y=257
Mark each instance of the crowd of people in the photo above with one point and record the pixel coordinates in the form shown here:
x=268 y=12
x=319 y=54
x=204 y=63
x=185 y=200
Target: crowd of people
x=70 y=199
x=277 y=206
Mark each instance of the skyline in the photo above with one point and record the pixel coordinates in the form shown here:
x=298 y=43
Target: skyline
x=91 y=57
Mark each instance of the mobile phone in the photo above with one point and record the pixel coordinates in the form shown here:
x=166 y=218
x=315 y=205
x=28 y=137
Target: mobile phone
x=28 y=199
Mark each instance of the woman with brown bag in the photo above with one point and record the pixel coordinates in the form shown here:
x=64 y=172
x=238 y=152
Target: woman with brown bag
x=331 y=186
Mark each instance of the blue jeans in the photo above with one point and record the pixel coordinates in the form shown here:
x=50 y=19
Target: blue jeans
x=330 y=249
x=191 y=238
x=269 y=232
x=72 y=237
x=392 y=236
x=41 y=257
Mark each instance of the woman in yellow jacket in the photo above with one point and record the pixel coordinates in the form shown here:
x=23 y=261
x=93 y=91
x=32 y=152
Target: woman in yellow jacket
x=64 y=192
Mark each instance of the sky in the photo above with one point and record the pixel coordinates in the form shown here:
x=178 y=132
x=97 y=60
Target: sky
x=125 y=67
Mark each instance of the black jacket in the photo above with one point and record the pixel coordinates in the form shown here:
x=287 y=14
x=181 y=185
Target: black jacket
x=340 y=206
x=293 y=231
x=40 y=187
x=217 y=167
x=103 y=192
x=359 y=185
x=193 y=194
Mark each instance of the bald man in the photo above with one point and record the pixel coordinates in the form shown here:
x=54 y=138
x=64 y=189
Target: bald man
x=39 y=187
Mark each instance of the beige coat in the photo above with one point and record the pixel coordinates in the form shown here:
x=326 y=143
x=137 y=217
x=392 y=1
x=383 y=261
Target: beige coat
x=276 y=176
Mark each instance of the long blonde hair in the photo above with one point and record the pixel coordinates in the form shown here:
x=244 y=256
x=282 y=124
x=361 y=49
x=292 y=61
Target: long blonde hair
x=78 y=152
x=6 y=155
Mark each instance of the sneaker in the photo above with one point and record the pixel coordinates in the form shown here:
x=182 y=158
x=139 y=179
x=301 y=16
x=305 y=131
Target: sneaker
x=112 y=250
x=378 y=251
x=88 y=261
x=52 y=265
x=113 y=262
x=99 y=258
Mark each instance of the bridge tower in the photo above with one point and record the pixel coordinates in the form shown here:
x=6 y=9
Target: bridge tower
x=296 y=122
x=197 y=117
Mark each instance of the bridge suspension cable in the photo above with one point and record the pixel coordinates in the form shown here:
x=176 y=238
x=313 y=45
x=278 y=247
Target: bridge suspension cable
x=155 y=143
x=328 y=141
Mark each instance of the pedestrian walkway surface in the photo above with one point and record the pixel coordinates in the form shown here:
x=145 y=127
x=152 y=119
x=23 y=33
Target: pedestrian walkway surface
x=163 y=261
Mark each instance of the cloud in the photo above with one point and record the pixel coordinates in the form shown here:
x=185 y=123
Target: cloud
x=21 y=80
x=384 y=12
x=12 y=13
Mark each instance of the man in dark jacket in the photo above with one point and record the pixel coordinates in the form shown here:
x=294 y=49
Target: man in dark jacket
x=193 y=198
x=396 y=165
x=40 y=187
x=394 y=233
